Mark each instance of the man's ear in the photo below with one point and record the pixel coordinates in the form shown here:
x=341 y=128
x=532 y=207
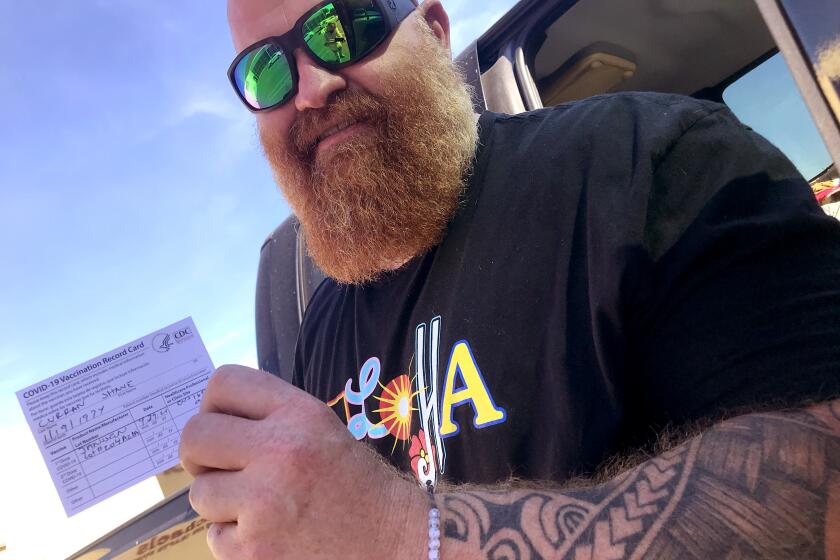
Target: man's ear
x=437 y=19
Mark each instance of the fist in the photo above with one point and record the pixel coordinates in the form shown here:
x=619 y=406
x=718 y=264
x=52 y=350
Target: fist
x=279 y=476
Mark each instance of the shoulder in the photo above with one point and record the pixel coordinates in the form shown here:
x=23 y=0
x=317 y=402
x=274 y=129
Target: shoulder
x=607 y=148
x=638 y=168
x=649 y=108
x=279 y=242
x=653 y=121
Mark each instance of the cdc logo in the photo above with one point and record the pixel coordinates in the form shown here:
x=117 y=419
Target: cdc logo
x=163 y=342
x=183 y=334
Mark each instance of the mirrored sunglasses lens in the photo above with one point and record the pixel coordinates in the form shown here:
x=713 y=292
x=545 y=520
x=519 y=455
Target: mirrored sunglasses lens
x=264 y=77
x=326 y=36
x=343 y=35
x=368 y=24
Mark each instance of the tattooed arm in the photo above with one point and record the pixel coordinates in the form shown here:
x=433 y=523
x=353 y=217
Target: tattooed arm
x=756 y=486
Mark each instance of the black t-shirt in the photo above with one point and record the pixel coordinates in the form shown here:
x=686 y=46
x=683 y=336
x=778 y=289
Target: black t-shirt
x=618 y=264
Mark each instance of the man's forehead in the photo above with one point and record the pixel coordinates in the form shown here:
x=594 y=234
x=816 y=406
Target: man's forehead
x=252 y=20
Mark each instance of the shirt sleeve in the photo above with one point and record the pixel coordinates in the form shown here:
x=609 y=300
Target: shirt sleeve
x=276 y=312
x=740 y=308
x=267 y=355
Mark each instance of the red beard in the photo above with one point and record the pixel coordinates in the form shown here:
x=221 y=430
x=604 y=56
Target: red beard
x=385 y=194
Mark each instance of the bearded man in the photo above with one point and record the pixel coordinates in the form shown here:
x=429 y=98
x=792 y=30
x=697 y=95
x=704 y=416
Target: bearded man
x=602 y=330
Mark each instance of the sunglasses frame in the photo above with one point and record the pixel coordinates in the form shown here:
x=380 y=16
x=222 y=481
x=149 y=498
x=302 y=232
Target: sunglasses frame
x=393 y=12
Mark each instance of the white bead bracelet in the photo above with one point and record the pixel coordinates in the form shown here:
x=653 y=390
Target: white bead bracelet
x=434 y=524
x=434 y=534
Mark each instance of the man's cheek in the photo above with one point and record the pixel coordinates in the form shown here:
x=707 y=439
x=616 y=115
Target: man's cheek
x=275 y=129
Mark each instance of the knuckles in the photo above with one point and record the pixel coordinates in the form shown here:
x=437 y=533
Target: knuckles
x=230 y=376
x=309 y=413
x=224 y=376
x=231 y=379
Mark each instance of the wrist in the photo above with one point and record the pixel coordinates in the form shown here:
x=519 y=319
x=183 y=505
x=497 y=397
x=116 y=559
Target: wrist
x=405 y=532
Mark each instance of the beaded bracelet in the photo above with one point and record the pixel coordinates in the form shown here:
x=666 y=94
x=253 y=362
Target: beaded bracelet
x=434 y=534
x=434 y=526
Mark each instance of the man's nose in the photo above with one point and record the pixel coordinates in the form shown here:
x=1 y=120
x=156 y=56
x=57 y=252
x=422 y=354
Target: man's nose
x=315 y=84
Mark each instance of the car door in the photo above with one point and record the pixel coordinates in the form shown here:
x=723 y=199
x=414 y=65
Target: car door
x=546 y=53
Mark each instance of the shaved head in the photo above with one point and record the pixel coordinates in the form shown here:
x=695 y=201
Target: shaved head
x=251 y=20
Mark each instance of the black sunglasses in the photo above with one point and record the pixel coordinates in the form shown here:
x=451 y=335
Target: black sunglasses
x=335 y=33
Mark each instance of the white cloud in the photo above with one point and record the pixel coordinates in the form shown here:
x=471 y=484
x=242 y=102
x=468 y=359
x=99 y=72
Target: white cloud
x=214 y=104
x=237 y=347
x=829 y=59
x=238 y=139
x=219 y=343
x=248 y=359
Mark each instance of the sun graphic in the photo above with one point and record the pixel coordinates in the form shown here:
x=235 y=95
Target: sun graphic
x=396 y=408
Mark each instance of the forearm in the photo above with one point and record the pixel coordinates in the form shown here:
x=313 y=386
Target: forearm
x=756 y=486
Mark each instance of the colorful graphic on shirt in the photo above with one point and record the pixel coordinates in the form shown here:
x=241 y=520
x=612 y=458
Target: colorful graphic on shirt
x=422 y=458
x=472 y=390
x=359 y=424
x=463 y=384
x=396 y=408
x=426 y=374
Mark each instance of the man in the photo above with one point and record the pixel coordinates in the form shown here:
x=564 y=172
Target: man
x=333 y=40
x=521 y=302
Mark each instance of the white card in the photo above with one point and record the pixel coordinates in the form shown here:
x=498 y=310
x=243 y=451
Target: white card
x=116 y=419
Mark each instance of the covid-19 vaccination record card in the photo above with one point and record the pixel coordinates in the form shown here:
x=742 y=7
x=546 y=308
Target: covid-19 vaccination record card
x=115 y=420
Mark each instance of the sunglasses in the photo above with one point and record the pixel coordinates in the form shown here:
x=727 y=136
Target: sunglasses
x=335 y=34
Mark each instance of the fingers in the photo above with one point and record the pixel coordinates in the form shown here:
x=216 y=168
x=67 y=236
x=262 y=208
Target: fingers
x=245 y=392
x=217 y=441
x=218 y=496
x=223 y=541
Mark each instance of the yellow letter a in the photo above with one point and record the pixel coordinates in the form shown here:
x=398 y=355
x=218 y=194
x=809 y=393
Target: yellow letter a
x=474 y=391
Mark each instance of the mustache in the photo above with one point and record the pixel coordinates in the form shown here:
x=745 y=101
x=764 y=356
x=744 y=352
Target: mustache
x=342 y=106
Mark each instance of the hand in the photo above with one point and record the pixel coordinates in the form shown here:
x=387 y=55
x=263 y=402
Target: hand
x=279 y=476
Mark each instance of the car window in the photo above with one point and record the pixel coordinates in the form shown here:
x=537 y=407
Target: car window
x=767 y=99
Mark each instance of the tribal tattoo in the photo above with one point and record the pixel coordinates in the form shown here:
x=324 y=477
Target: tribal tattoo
x=756 y=486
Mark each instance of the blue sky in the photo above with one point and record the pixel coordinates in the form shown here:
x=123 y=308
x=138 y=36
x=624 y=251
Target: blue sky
x=132 y=194
x=767 y=100
x=133 y=189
